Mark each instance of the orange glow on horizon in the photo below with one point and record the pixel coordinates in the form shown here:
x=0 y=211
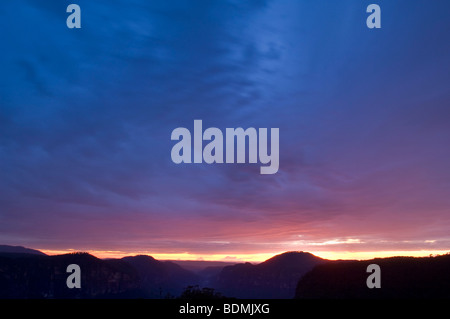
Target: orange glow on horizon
x=255 y=258
x=365 y=255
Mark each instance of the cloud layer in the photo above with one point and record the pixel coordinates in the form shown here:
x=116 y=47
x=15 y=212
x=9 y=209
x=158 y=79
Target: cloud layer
x=86 y=117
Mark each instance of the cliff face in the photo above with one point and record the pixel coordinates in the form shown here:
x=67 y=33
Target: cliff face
x=39 y=276
x=35 y=276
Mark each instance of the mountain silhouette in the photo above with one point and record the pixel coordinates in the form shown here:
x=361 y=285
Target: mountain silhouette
x=31 y=275
x=36 y=276
x=19 y=250
x=401 y=277
x=159 y=279
x=27 y=273
x=275 y=278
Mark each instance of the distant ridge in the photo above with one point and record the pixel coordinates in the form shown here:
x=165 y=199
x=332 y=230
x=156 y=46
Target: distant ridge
x=19 y=250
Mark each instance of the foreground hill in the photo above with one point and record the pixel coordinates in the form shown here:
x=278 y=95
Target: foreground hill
x=36 y=276
x=401 y=277
x=276 y=278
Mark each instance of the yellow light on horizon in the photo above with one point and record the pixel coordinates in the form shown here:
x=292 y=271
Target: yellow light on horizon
x=180 y=256
x=254 y=258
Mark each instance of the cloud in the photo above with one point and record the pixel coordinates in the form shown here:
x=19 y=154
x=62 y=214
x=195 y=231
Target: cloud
x=86 y=117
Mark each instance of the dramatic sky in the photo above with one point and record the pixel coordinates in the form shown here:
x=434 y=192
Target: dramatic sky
x=86 y=117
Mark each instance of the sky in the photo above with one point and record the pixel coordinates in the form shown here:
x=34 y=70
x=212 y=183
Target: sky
x=86 y=117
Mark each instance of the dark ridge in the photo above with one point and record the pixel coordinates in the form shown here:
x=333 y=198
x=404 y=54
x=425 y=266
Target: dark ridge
x=401 y=278
x=45 y=277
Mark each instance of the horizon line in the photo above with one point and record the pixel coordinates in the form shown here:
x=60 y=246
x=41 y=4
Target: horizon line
x=252 y=258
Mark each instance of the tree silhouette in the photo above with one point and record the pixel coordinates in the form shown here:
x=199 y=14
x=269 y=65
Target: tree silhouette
x=194 y=292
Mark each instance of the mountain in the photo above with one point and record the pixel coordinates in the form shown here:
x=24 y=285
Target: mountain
x=401 y=278
x=37 y=276
x=34 y=275
x=19 y=250
x=160 y=279
x=276 y=278
x=30 y=275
